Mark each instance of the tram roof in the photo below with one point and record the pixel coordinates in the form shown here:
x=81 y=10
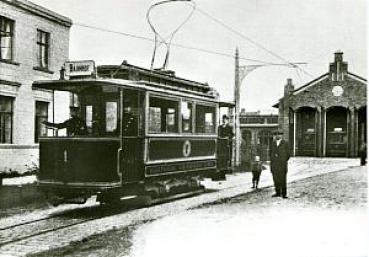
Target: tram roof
x=78 y=85
x=134 y=72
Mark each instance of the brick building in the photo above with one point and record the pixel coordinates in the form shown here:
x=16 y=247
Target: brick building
x=327 y=116
x=256 y=134
x=34 y=43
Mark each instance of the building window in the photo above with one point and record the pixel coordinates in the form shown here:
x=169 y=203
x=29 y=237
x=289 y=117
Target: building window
x=43 y=49
x=41 y=116
x=6 y=119
x=6 y=38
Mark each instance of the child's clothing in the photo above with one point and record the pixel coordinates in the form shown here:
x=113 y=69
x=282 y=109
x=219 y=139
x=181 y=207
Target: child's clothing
x=256 y=171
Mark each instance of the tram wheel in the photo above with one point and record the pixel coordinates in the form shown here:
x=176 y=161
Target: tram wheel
x=108 y=198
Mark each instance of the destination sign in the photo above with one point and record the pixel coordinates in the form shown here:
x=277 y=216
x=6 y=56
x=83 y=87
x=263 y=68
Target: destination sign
x=79 y=68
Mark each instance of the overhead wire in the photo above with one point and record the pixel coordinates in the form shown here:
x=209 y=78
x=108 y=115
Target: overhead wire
x=251 y=41
x=79 y=24
x=298 y=75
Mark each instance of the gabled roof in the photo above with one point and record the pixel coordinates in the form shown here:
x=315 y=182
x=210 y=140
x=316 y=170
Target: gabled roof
x=317 y=80
x=311 y=83
x=357 y=77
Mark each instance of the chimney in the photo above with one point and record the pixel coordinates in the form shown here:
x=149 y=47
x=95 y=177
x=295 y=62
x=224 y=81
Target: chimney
x=288 y=88
x=338 y=68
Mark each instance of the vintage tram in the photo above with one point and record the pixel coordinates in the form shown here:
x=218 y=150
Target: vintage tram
x=148 y=133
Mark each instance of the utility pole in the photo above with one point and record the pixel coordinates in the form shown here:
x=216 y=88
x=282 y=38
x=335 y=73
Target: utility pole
x=240 y=74
x=237 y=80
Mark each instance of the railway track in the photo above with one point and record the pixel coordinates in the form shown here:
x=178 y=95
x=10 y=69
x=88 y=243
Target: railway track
x=29 y=229
x=19 y=232
x=23 y=231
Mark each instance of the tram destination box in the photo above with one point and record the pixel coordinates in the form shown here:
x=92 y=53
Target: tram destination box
x=78 y=69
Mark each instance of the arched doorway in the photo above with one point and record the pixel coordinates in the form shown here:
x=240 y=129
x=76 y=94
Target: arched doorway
x=336 y=132
x=362 y=127
x=306 y=131
x=246 y=149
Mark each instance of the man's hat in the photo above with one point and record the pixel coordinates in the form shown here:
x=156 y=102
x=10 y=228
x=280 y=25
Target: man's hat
x=225 y=116
x=277 y=132
x=74 y=107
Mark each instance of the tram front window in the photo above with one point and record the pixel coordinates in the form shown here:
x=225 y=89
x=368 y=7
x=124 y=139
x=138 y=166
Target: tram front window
x=111 y=117
x=100 y=112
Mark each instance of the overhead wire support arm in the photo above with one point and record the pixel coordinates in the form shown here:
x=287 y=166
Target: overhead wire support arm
x=246 y=69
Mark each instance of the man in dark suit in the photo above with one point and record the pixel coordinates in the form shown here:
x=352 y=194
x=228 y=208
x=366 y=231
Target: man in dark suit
x=279 y=164
x=225 y=131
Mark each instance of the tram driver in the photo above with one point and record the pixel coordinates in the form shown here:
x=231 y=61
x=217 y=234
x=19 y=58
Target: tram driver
x=75 y=125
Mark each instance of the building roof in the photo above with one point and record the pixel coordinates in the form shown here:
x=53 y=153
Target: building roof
x=40 y=11
x=317 y=80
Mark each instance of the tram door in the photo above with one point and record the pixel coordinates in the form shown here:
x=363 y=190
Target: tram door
x=131 y=156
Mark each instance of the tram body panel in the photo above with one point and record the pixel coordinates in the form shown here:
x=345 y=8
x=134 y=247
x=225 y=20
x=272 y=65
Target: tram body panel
x=169 y=156
x=77 y=162
x=131 y=160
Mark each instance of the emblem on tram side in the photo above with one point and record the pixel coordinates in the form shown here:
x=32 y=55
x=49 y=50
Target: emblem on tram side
x=186 y=150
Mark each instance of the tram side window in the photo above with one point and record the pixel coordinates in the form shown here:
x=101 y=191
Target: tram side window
x=186 y=109
x=163 y=116
x=205 y=119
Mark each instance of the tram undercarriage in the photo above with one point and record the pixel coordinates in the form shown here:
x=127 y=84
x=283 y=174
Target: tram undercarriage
x=153 y=191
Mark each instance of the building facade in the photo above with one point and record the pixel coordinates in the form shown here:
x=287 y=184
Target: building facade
x=34 y=44
x=327 y=116
x=256 y=133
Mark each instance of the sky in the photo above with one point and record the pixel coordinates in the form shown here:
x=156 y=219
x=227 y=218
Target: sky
x=270 y=31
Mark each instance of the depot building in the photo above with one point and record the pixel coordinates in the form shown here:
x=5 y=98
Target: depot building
x=327 y=116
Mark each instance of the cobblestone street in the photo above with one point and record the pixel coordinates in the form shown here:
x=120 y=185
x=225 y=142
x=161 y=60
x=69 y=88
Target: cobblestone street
x=324 y=216
x=231 y=221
